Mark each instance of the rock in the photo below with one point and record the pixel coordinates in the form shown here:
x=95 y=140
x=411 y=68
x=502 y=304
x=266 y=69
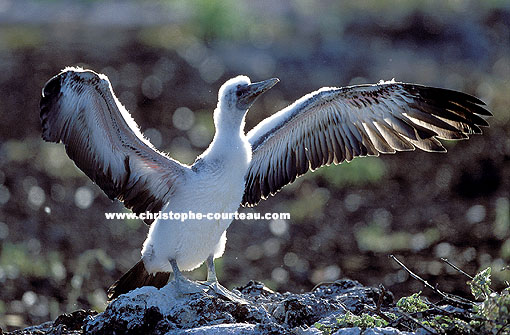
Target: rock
x=75 y=320
x=149 y=310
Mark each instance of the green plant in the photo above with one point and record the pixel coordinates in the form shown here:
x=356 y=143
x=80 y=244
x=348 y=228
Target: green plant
x=494 y=311
x=412 y=304
x=349 y=319
x=480 y=285
x=490 y=316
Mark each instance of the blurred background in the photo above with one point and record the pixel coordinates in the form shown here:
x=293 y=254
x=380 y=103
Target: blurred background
x=166 y=61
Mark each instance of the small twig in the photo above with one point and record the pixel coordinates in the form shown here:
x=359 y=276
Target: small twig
x=466 y=274
x=380 y=314
x=439 y=311
x=381 y=297
x=409 y=317
x=456 y=267
x=415 y=276
x=465 y=315
x=451 y=299
x=344 y=306
x=377 y=309
x=399 y=322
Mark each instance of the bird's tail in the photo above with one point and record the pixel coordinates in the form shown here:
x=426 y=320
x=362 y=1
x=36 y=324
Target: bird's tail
x=136 y=277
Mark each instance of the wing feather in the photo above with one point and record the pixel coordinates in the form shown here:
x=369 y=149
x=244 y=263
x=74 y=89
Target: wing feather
x=333 y=125
x=79 y=109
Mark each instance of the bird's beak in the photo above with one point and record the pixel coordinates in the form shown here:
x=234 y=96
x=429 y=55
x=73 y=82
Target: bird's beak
x=251 y=92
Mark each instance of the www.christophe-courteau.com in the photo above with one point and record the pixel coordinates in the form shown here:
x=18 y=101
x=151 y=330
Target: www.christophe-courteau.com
x=197 y=216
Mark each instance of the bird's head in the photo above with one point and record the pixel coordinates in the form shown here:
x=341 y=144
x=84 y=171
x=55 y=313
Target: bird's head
x=240 y=93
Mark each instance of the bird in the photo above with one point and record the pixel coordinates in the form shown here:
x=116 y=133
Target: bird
x=329 y=126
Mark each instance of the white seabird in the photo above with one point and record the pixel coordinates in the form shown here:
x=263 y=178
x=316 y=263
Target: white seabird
x=331 y=125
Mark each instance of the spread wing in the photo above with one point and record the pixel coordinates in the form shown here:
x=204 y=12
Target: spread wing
x=333 y=125
x=79 y=109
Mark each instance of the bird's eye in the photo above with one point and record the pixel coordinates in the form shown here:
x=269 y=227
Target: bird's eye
x=238 y=93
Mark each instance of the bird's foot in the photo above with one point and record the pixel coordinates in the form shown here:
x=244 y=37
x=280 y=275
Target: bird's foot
x=215 y=288
x=183 y=286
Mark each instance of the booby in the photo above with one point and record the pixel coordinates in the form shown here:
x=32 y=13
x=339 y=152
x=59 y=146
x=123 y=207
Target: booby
x=331 y=125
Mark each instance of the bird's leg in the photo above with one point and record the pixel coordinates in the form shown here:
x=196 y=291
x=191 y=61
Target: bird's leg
x=177 y=272
x=211 y=270
x=183 y=284
x=212 y=282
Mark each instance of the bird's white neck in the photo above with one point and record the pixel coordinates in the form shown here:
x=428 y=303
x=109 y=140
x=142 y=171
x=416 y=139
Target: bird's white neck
x=229 y=137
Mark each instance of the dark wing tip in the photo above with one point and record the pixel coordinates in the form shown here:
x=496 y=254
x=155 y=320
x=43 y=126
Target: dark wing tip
x=468 y=101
